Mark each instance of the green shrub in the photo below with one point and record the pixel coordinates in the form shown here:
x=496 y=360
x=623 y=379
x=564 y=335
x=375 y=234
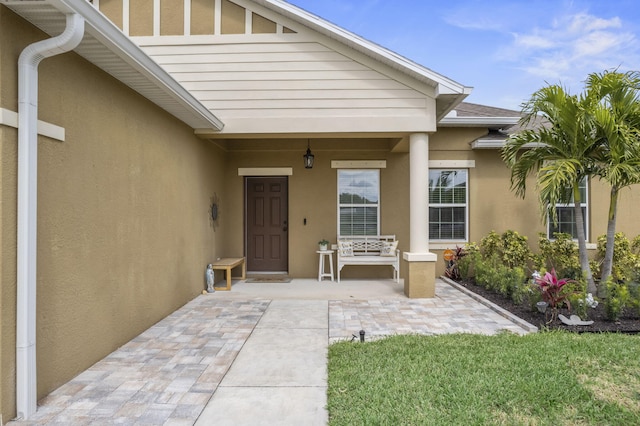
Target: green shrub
x=577 y=294
x=490 y=245
x=625 y=256
x=466 y=264
x=515 y=249
x=560 y=254
x=617 y=299
x=634 y=295
x=533 y=295
x=486 y=272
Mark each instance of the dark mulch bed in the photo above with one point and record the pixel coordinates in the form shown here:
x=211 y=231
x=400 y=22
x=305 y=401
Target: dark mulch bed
x=629 y=322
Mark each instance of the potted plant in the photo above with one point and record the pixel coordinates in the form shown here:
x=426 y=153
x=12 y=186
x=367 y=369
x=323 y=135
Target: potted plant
x=323 y=244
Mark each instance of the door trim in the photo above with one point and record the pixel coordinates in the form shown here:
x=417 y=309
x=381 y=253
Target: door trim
x=265 y=171
x=245 y=217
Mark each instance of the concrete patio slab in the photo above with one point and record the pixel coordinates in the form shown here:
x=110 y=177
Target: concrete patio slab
x=289 y=314
x=279 y=357
x=266 y=406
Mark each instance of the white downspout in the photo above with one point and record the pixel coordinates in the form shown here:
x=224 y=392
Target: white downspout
x=26 y=388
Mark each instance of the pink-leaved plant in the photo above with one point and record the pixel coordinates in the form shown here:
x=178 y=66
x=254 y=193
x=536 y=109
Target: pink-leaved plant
x=551 y=288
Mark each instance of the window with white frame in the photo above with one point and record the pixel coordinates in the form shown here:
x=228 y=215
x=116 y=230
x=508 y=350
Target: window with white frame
x=566 y=214
x=359 y=202
x=448 y=205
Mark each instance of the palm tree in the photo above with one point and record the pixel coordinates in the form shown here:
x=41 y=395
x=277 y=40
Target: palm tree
x=561 y=153
x=617 y=117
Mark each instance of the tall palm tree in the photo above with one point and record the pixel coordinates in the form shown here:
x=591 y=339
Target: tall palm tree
x=617 y=118
x=561 y=152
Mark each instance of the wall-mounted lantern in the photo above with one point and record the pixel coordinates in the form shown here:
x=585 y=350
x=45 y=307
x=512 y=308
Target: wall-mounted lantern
x=308 y=157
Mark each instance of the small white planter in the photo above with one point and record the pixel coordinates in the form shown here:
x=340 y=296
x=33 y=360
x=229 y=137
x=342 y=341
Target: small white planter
x=542 y=306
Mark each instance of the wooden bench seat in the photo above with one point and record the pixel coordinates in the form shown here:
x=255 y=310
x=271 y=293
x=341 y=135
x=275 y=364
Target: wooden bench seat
x=227 y=264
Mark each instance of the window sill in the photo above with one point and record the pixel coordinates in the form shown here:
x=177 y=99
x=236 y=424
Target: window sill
x=453 y=244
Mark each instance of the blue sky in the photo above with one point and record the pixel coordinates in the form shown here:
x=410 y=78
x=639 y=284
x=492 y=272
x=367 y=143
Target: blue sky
x=505 y=49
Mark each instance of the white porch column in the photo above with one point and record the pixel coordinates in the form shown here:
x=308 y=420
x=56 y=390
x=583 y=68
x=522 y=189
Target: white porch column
x=419 y=262
x=419 y=192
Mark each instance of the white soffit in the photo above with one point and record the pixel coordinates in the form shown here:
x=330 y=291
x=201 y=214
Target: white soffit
x=109 y=49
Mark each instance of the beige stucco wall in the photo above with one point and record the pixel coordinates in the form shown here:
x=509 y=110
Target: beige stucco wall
x=312 y=195
x=493 y=206
x=141 y=18
x=123 y=225
x=8 y=156
x=202 y=17
x=171 y=23
x=9 y=33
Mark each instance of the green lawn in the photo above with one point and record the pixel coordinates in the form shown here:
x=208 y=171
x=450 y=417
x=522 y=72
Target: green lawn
x=548 y=378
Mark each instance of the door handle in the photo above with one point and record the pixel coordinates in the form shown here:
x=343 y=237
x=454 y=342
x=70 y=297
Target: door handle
x=284 y=226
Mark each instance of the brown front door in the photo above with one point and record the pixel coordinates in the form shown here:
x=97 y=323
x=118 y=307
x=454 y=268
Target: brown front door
x=267 y=224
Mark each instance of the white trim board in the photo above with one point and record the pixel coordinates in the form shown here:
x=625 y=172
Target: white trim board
x=10 y=118
x=452 y=164
x=359 y=164
x=265 y=171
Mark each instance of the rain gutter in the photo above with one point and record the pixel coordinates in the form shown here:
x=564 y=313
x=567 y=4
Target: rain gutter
x=30 y=58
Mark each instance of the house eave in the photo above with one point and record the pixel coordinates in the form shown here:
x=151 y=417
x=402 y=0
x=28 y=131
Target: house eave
x=108 y=48
x=497 y=144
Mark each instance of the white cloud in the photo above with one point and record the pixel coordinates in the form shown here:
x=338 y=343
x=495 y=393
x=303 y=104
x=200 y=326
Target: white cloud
x=583 y=22
x=572 y=46
x=533 y=41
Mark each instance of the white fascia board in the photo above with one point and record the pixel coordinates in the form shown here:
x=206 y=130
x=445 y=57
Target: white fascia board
x=478 y=121
x=113 y=39
x=443 y=84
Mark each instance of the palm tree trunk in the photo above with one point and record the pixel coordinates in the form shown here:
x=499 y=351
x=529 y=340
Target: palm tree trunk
x=607 y=263
x=582 y=241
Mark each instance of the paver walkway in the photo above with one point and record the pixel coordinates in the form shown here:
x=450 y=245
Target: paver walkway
x=222 y=357
x=280 y=376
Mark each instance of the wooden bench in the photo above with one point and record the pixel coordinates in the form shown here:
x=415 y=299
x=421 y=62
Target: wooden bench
x=227 y=264
x=369 y=250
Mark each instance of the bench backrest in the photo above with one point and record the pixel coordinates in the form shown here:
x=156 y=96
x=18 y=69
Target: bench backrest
x=370 y=244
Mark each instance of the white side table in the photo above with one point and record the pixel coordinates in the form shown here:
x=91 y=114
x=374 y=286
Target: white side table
x=321 y=264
